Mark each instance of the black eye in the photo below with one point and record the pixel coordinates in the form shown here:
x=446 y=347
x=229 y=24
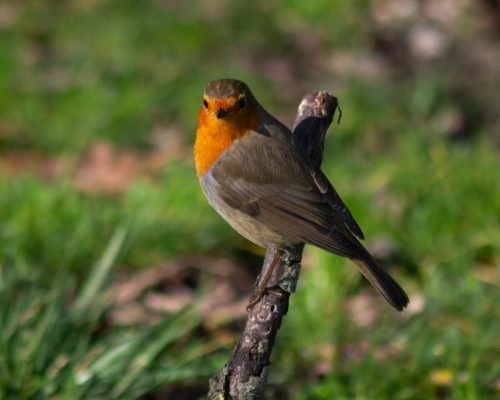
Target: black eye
x=205 y=104
x=242 y=102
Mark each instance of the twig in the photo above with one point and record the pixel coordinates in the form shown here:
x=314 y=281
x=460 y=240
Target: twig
x=245 y=375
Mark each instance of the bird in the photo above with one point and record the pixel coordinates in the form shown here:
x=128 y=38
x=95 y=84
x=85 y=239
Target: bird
x=260 y=180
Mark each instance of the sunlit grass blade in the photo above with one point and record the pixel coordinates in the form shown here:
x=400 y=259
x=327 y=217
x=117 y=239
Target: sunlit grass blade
x=146 y=346
x=101 y=272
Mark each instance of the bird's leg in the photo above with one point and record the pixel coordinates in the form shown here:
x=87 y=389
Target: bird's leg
x=262 y=282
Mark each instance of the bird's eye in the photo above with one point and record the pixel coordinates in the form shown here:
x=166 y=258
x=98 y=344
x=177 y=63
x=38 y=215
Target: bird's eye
x=205 y=104
x=242 y=102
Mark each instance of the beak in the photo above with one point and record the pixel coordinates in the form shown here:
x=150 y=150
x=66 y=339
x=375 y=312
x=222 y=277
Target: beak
x=221 y=113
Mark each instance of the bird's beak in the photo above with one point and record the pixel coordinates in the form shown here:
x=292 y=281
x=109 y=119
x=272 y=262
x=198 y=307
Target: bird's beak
x=221 y=113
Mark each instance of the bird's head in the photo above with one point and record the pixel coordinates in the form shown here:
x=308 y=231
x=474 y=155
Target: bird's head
x=228 y=112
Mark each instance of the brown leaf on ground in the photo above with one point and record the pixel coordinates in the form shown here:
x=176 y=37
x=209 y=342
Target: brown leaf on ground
x=363 y=309
x=218 y=287
x=169 y=144
x=168 y=303
x=105 y=170
x=325 y=356
x=131 y=314
x=487 y=273
x=31 y=162
x=9 y=13
x=132 y=286
x=224 y=304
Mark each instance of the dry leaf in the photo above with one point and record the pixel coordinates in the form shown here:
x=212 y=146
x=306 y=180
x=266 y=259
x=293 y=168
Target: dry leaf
x=106 y=171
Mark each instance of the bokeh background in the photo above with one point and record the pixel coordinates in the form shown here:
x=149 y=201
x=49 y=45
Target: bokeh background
x=118 y=281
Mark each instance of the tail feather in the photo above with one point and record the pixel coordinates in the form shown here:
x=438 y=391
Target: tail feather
x=383 y=282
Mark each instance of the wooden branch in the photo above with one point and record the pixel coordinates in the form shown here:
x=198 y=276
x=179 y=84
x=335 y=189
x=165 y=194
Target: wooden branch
x=245 y=375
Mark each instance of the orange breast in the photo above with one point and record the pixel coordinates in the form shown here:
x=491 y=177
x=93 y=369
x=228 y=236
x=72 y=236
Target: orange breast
x=214 y=136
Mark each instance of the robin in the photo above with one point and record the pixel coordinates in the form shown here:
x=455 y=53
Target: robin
x=262 y=183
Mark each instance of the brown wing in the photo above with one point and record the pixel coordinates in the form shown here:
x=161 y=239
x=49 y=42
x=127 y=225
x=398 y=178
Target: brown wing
x=257 y=174
x=300 y=215
x=266 y=159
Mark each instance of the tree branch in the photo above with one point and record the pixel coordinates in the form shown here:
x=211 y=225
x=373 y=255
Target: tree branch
x=245 y=375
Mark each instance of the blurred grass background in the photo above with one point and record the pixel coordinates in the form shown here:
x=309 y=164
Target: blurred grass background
x=117 y=280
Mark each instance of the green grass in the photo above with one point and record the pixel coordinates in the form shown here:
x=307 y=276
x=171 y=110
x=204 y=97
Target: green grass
x=57 y=228
x=73 y=74
x=51 y=346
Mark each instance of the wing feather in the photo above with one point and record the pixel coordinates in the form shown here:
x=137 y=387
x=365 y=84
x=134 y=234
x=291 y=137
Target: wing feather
x=282 y=180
